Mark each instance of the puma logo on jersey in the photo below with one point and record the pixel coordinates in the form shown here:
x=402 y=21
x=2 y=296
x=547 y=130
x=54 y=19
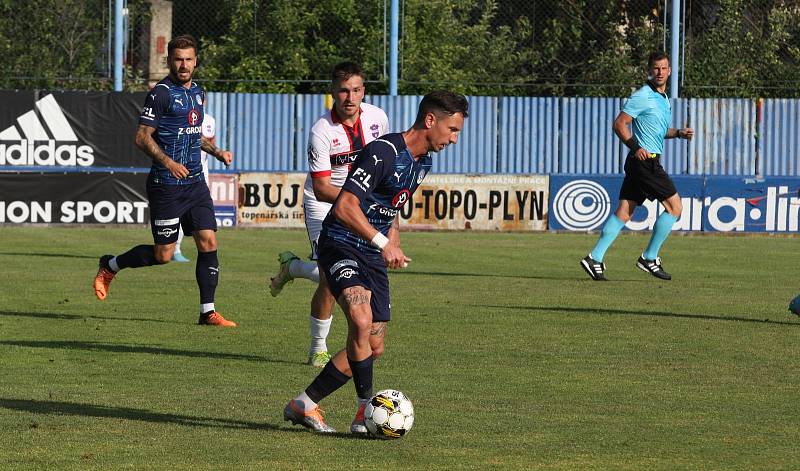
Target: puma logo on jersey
x=376 y=159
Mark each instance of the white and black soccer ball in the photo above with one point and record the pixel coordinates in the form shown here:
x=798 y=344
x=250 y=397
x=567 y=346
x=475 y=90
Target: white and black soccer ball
x=389 y=414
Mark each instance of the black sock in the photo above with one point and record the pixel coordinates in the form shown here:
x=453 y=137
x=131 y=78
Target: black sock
x=327 y=381
x=207 y=273
x=362 y=376
x=139 y=256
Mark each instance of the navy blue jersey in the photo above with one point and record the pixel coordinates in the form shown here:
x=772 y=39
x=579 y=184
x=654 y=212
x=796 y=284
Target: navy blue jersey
x=383 y=178
x=177 y=114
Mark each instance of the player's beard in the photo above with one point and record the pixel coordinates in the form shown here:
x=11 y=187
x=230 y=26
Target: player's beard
x=175 y=73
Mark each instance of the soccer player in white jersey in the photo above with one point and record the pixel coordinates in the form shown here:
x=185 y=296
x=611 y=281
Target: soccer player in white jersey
x=209 y=131
x=335 y=141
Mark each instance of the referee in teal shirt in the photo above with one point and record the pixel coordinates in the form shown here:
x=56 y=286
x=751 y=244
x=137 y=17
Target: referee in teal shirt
x=650 y=113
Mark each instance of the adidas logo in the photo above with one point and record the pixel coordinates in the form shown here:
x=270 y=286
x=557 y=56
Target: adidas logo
x=37 y=147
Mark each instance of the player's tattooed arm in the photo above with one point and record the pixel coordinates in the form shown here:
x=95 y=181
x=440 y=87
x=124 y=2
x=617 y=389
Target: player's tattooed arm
x=395 y=259
x=210 y=148
x=394 y=230
x=145 y=142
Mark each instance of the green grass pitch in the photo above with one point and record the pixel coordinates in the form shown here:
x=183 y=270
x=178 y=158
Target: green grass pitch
x=513 y=358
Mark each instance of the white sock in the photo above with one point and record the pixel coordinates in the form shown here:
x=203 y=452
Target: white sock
x=307 y=270
x=306 y=401
x=180 y=239
x=204 y=308
x=112 y=264
x=319 y=333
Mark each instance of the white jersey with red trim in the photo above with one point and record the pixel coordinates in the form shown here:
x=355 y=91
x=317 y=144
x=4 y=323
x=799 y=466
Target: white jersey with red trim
x=333 y=146
x=209 y=131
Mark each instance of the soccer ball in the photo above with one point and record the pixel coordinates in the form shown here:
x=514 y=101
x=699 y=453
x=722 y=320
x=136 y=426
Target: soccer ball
x=794 y=306
x=389 y=414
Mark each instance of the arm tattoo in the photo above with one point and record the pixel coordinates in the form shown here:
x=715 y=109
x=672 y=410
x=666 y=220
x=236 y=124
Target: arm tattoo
x=155 y=152
x=208 y=147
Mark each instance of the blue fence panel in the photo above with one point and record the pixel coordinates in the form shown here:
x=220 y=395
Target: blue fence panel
x=259 y=129
x=676 y=151
x=724 y=142
x=401 y=110
x=476 y=150
x=588 y=144
x=528 y=135
x=216 y=105
x=779 y=138
x=309 y=110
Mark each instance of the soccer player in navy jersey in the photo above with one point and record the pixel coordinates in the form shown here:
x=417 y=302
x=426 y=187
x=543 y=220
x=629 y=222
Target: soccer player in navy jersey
x=170 y=133
x=360 y=240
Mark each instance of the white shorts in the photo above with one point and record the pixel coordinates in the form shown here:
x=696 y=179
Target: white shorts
x=315 y=212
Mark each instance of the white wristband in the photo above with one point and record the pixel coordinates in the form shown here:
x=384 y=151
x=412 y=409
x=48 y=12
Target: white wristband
x=379 y=240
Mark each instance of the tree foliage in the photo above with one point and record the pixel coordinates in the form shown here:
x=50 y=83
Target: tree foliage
x=51 y=43
x=744 y=49
x=735 y=48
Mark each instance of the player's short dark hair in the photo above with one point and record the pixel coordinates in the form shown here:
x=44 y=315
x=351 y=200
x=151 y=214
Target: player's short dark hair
x=184 y=41
x=655 y=57
x=344 y=70
x=440 y=103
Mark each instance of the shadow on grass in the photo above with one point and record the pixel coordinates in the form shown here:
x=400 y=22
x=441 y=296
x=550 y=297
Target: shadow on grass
x=406 y=271
x=54 y=255
x=56 y=315
x=625 y=312
x=91 y=410
x=126 y=413
x=117 y=348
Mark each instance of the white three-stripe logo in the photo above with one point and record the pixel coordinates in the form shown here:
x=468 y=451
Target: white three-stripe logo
x=32 y=127
x=35 y=147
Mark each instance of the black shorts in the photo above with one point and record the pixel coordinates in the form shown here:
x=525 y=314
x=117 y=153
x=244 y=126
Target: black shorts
x=345 y=266
x=645 y=180
x=188 y=205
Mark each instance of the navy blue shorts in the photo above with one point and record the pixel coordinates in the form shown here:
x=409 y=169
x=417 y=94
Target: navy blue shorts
x=345 y=266
x=188 y=205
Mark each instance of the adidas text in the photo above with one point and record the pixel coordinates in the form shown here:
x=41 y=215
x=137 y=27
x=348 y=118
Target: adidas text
x=32 y=153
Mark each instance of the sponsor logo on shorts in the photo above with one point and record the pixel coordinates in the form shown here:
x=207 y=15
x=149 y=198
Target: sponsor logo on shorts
x=343 y=263
x=346 y=273
x=166 y=232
